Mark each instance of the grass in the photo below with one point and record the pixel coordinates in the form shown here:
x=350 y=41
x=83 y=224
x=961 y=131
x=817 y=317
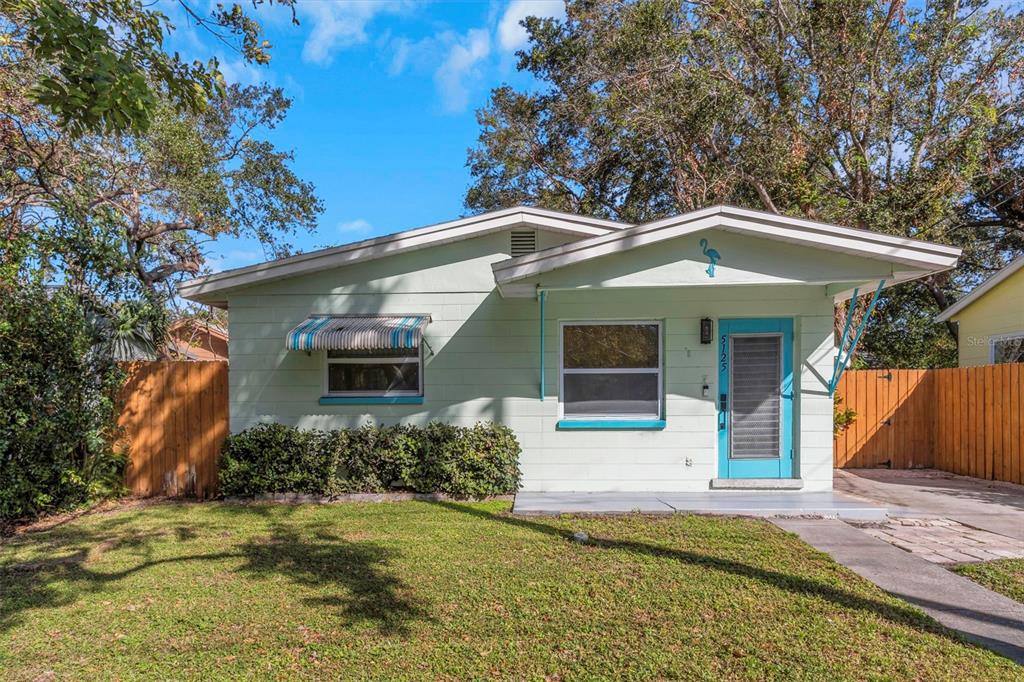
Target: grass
x=1005 y=576
x=449 y=591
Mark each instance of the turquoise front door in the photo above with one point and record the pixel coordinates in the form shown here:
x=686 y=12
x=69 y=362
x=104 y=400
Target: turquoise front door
x=755 y=398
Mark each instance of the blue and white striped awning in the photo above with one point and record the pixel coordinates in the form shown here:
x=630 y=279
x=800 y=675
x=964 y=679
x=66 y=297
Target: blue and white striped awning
x=357 y=332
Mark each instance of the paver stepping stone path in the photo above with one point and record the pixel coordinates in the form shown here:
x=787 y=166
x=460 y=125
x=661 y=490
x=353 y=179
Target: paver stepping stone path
x=944 y=541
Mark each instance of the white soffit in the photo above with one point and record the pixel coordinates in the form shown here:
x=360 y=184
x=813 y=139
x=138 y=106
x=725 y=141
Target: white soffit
x=921 y=256
x=204 y=289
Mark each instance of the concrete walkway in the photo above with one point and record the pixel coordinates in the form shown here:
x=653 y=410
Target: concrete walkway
x=989 y=505
x=730 y=503
x=977 y=613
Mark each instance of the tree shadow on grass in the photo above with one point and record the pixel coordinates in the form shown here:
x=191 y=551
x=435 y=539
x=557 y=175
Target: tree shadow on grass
x=794 y=584
x=354 y=575
x=372 y=595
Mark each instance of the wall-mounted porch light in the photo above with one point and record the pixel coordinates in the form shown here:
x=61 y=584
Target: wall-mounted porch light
x=705 y=330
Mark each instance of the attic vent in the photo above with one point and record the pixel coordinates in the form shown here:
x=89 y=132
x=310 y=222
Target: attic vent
x=523 y=242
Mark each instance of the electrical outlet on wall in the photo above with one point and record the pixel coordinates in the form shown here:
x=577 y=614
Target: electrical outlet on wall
x=689 y=461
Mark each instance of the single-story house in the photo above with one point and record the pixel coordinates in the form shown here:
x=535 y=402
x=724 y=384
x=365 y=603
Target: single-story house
x=990 y=320
x=692 y=352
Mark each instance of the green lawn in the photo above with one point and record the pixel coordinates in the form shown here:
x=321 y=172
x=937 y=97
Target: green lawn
x=449 y=591
x=1005 y=576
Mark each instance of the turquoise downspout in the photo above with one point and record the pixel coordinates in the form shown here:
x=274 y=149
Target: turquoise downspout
x=543 y=295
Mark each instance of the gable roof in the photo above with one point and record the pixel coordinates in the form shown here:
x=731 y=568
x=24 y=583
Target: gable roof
x=925 y=257
x=205 y=288
x=981 y=290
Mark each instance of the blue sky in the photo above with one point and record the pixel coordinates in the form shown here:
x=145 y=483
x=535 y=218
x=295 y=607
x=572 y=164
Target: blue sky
x=384 y=94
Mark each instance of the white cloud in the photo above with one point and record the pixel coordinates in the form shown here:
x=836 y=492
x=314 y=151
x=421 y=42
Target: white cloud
x=512 y=36
x=355 y=227
x=459 y=61
x=337 y=25
x=418 y=56
x=243 y=73
x=461 y=65
x=400 y=56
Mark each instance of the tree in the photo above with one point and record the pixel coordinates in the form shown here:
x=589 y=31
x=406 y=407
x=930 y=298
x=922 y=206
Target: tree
x=140 y=206
x=104 y=67
x=866 y=113
x=119 y=161
x=114 y=183
x=58 y=403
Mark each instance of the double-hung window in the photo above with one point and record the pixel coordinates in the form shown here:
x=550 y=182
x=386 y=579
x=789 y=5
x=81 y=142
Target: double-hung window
x=374 y=373
x=611 y=370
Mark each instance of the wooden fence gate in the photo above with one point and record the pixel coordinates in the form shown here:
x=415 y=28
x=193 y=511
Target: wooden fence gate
x=174 y=419
x=967 y=420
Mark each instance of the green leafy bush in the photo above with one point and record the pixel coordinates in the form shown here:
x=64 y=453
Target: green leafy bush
x=842 y=417
x=438 y=458
x=58 y=404
x=274 y=458
x=478 y=460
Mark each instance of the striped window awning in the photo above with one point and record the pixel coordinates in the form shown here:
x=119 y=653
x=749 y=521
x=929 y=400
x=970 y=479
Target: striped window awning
x=357 y=332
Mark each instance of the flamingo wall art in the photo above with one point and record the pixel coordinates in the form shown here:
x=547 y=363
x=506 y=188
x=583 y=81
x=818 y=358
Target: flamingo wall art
x=712 y=256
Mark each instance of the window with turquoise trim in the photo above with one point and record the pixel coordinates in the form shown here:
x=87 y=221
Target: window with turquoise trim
x=611 y=370
x=374 y=373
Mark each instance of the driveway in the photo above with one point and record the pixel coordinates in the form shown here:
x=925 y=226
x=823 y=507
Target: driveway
x=989 y=505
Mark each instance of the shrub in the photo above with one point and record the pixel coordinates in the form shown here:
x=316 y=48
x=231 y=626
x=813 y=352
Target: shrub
x=439 y=458
x=58 y=404
x=476 y=461
x=273 y=458
x=842 y=417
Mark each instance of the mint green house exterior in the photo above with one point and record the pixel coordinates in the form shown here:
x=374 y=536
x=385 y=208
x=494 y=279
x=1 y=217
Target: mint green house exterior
x=679 y=355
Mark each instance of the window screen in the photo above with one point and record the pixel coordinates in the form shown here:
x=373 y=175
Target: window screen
x=611 y=370
x=756 y=396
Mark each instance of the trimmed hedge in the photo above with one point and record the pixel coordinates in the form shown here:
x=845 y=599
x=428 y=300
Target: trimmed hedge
x=471 y=461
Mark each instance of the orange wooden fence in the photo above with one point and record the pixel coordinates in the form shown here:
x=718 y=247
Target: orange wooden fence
x=968 y=421
x=174 y=419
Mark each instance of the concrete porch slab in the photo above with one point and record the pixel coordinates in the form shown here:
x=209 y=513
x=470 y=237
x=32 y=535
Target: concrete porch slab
x=723 y=502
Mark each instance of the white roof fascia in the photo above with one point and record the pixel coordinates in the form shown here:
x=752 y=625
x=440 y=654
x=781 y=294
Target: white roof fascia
x=379 y=247
x=843 y=291
x=919 y=255
x=980 y=290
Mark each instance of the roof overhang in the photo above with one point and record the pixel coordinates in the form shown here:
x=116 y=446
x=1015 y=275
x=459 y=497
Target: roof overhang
x=908 y=258
x=980 y=290
x=209 y=289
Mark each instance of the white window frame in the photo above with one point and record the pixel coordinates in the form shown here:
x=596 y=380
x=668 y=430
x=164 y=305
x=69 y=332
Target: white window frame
x=562 y=371
x=327 y=362
x=993 y=340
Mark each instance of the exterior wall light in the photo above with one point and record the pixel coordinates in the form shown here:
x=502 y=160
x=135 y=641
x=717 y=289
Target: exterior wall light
x=705 y=330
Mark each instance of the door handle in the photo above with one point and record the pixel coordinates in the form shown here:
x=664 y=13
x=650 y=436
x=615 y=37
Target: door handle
x=723 y=407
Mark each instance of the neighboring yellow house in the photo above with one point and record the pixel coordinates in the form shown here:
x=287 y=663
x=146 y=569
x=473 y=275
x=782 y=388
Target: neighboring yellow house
x=991 y=319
